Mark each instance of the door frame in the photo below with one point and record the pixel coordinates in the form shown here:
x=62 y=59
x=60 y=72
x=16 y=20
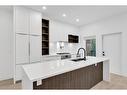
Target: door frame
x=87 y=38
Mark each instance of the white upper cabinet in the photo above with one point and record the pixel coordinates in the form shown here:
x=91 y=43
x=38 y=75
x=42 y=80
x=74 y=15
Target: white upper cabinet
x=22 y=49
x=27 y=21
x=35 y=48
x=35 y=23
x=21 y=15
x=60 y=31
x=57 y=32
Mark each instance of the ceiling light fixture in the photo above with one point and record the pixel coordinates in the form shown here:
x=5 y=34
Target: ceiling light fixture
x=64 y=15
x=44 y=7
x=77 y=20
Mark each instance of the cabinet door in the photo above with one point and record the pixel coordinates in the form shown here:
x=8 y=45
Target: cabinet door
x=21 y=20
x=35 y=23
x=18 y=72
x=22 y=49
x=56 y=29
x=98 y=72
x=35 y=48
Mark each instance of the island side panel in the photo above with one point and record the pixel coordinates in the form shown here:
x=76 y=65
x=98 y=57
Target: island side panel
x=106 y=70
x=83 y=78
x=26 y=83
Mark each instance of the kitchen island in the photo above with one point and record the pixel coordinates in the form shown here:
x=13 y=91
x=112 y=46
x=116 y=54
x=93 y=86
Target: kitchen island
x=65 y=74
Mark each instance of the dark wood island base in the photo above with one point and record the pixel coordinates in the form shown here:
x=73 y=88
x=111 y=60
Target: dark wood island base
x=83 y=78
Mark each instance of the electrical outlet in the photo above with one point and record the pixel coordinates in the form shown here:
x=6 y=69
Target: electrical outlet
x=39 y=82
x=96 y=64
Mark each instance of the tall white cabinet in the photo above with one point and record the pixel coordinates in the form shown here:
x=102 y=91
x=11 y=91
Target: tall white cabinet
x=27 y=38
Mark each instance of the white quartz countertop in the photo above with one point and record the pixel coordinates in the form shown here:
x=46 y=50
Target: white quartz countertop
x=47 y=69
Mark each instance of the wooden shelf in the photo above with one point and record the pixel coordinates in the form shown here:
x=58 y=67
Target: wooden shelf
x=45 y=37
x=45 y=47
x=45 y=33
x=45 y=26
x=45 y=40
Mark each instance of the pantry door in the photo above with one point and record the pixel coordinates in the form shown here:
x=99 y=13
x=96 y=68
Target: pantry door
x=111 y=44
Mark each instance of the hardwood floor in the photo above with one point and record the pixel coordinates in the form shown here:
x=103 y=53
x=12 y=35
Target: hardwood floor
x=117 y=82
x=8 y=85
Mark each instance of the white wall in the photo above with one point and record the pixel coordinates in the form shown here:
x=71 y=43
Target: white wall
x=113 y=24
x=59 y=32
x=6 y=27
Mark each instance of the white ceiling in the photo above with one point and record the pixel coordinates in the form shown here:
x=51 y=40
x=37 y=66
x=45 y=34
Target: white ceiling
x=86 y=14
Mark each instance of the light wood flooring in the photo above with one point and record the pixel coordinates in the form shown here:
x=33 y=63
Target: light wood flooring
x=117 y=82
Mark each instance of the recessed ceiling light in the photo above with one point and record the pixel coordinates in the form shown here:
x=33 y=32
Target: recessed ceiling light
x=44 y=7
x=64 y=15
x=77 y=20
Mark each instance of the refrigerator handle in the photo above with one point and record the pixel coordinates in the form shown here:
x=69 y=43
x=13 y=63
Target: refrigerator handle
x=29 y=51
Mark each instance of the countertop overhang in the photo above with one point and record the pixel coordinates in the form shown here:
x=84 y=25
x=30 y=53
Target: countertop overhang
x=46 y=69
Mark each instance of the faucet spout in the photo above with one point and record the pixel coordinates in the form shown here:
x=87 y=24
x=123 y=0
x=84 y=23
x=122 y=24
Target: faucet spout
x=84 y=52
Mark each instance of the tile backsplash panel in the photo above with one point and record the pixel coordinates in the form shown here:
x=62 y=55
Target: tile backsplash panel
x=68 y=47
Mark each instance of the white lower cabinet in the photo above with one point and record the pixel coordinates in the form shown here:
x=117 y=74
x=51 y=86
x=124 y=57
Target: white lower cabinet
x=18 y=72
x=28 y=50
x=22 y=54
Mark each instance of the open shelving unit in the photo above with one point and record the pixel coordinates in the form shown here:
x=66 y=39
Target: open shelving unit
x=45 y=37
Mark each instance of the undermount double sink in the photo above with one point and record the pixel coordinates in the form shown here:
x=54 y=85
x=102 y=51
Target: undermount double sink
x=78 y=59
